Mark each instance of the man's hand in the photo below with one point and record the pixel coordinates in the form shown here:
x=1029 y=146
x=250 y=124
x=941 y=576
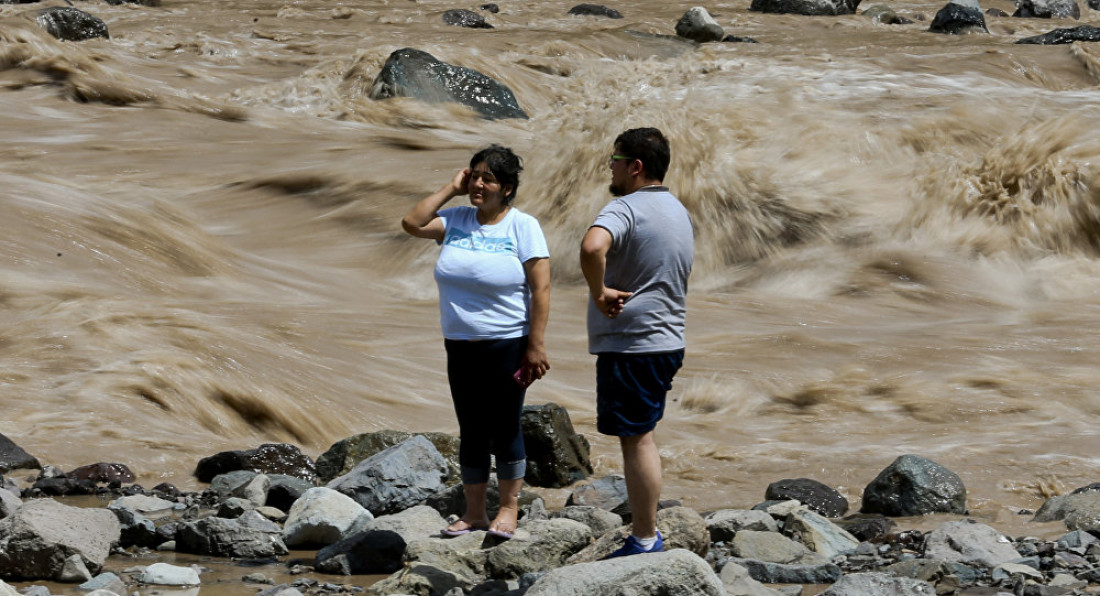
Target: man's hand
x=610 y=301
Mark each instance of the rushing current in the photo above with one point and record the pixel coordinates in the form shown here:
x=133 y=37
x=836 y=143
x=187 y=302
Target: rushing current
x=897 y=250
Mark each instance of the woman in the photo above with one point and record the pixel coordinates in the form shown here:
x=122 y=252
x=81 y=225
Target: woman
x=493 y=274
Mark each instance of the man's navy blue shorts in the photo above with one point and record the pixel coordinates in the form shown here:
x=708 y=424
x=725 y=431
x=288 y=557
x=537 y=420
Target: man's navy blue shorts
x=631 y=390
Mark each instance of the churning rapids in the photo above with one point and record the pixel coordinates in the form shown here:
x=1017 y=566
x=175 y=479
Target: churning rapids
x=898 y=235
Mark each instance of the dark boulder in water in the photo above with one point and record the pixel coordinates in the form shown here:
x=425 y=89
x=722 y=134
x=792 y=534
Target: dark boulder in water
x=1061 y=36
x=818 y=496
x=103 y=473
x=806 y=7
x=13 y=457
x=491 y=7
x=417 y=74
x=556 y=455
x=461 y=17
x=595 y=10
x=963 y=16
x=1047 y=9
x=697 y=25
x=138 y=2
x=913 y=485
x=70 y=24
x=271 y=458
x=738 y=39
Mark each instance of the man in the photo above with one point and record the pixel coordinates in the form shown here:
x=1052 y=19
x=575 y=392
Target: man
x=636 y=258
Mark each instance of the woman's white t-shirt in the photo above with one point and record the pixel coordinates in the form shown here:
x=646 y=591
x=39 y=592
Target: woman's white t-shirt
x=483 y=292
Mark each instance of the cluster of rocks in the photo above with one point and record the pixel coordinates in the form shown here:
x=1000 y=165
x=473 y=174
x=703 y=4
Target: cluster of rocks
x=375 y=504
x=409 y=72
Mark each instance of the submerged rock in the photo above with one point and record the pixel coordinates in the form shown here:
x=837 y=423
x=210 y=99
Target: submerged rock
x=959 y=17
x=461 y=17
x=417 y=74
x=70 y=24
x=806 y=7
x=1063 y=36
x=1047 y=9
x=595 y=10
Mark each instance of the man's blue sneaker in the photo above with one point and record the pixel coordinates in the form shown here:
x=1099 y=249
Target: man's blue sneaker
x=633 y=547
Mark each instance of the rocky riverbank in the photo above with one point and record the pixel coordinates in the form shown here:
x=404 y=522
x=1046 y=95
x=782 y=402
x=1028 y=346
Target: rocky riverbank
x=374 y=504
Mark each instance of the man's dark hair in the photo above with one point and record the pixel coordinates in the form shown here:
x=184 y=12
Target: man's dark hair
x=504 y=164
x=648 y=145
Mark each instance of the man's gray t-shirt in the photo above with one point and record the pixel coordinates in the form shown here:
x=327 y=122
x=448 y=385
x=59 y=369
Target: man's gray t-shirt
x=651 y=254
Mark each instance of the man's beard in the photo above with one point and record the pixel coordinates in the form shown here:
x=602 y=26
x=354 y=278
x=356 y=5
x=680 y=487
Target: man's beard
x=615 y=191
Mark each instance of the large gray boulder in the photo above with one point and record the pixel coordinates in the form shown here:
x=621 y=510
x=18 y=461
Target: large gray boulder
x=598 y=520
x=415 y=523
x=969 y=542
x=270 y=458
x=13 y=457
x=819 y=534
x=680 y=527
x=345 y=454
x=806 y=7
x=395 y=479
x=414 y=73
x=725 y=523
x=913 y=485
x=71 y=24
x=538 y=546
x=789 y=573
x=772 y=547
x=738 y=582
x=250 y=536
x=421 y=579
x=9 y=502
x=671 y=573
x=371 y=552
x=959 y=17
x=322 y=516
x=879 y=584
x=39 y=537
x=556 y=455
x=466 y=556
x=1047 y=9
x=1079 y=511
x=607 y=493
